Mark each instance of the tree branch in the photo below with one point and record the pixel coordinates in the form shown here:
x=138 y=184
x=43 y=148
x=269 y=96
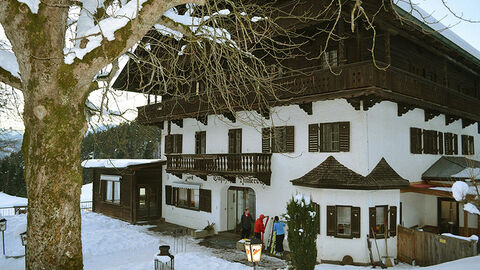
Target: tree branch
x=7 y=78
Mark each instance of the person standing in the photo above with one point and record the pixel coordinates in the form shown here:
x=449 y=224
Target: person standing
x=279 y=229
x=246 y=223
x=259 y=227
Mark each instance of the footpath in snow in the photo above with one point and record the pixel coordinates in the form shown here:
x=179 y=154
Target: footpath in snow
x=113 y=244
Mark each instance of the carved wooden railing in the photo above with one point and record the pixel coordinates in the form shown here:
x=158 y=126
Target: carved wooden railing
x=317 y=84
x=249 y=164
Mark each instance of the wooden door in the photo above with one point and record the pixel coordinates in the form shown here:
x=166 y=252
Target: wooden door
x=447 y=215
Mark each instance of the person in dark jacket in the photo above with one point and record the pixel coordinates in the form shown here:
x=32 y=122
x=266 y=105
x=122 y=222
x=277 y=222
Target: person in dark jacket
x=259 y=227
x=279 y=229
x=246 y=223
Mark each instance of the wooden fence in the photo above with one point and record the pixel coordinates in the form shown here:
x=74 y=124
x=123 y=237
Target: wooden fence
x=17 y=210
x=424 y=248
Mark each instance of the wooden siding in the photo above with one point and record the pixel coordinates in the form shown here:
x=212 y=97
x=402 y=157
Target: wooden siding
x=360 y=79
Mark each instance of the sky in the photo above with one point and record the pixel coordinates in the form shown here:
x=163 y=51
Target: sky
x=126 y=101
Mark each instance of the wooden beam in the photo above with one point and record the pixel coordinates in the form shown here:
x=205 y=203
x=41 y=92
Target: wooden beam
x=403 y=108
x=230 y=116
x=465 y=223
x=178 y=122
x=307 y=107
x=450 y=118
x=430 y=114
x=388 y=57
x=467 y=122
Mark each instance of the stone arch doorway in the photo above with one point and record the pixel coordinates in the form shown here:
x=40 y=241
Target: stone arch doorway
x=239 y=199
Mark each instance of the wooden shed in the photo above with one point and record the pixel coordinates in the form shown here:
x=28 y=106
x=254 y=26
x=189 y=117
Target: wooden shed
x=127 y=189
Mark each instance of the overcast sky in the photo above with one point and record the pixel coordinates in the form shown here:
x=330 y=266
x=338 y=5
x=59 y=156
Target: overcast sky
x=470 y=32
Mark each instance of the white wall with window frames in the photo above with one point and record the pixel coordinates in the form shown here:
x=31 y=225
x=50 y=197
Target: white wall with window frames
x=112 y=188
x=374 y=134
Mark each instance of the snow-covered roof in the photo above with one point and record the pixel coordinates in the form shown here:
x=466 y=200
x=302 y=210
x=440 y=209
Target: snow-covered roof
x=426 y=20
x=116 y=163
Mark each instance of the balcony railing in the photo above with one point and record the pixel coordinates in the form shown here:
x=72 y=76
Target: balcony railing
x=252 y=164
x=355 y=79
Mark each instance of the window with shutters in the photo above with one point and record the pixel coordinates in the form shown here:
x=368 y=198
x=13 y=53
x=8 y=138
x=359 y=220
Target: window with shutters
x=329 y=137
x=195 y=199
x=200 y=142
x=205 y=200
x=430 y=142
x=415 y=140
x=235 y=141
x=448 y=143
x=173 y=144
x=343 y=221
x=467 y=145
x=379 y=221
x=278 y=139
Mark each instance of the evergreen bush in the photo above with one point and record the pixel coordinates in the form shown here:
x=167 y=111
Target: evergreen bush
x=302 y=233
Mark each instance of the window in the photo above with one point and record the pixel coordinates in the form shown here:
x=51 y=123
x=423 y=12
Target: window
x=278 y=139
x=112 y=191
x=200 y=142
x=378 y=219
x=468 y=145
x=329 y=58
x=173 y=144
x=235 y=141
x=415 y=140
x=343 y=221
x=329 y=137
x=196 y=199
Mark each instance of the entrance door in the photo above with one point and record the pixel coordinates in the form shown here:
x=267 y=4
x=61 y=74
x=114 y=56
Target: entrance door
x=447 y=215
x=147 y=207
x=239 y=199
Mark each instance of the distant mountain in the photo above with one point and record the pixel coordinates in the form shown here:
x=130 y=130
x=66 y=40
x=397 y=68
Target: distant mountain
x=10 y=142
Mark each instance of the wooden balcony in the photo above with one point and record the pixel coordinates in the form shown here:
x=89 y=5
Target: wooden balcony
x=354 y=82
x=256 y=165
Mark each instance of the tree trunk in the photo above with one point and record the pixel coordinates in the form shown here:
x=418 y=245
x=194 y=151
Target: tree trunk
x=52 y=142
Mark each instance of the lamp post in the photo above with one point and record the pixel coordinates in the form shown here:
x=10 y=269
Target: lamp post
x=253 y=249
x=164 y=260
x=3 y=228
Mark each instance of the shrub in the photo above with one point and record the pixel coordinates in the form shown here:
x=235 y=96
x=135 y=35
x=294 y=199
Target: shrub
x=302 y=233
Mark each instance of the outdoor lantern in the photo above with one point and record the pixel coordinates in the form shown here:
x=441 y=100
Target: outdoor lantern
x=23 y=237
x=253 y=249
x=3 y=228
x=164 y=260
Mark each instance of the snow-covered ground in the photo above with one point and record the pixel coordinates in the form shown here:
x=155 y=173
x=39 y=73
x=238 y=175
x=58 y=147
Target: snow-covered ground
x=10 y=201
x=113 y=244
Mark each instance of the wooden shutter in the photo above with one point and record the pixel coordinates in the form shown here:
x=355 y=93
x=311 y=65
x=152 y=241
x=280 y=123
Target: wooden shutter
x=415 y=140
x=331 y=221
x=313 y=138
x=393 y=220
x=289 y=139
x=471 y=145
x=455 y=144
x=440 y=143
x=178 y=141
x=320 y=141
x=344 y=136
x=168 y=195
x=231 y=141
x=317 y=216
x=266 y=134
x=168 y=144
x=435 y=142
x=372 y=220
x=464 y=145
x=205 y=200
x=355 y=219
x=426 y=142
x=448 y=144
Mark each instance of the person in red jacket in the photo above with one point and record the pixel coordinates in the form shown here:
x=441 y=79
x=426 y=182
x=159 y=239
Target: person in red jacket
x=259 y=227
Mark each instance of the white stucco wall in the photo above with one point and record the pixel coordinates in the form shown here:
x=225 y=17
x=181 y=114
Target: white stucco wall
x=374 y=134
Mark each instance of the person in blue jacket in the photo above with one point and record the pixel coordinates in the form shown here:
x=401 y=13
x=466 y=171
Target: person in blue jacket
x=278 y=228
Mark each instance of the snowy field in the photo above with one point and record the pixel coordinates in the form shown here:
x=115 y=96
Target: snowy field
x=112 y=244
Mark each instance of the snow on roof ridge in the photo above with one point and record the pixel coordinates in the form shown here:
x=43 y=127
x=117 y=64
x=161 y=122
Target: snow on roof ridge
x=116 y=163
x=436 y=25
